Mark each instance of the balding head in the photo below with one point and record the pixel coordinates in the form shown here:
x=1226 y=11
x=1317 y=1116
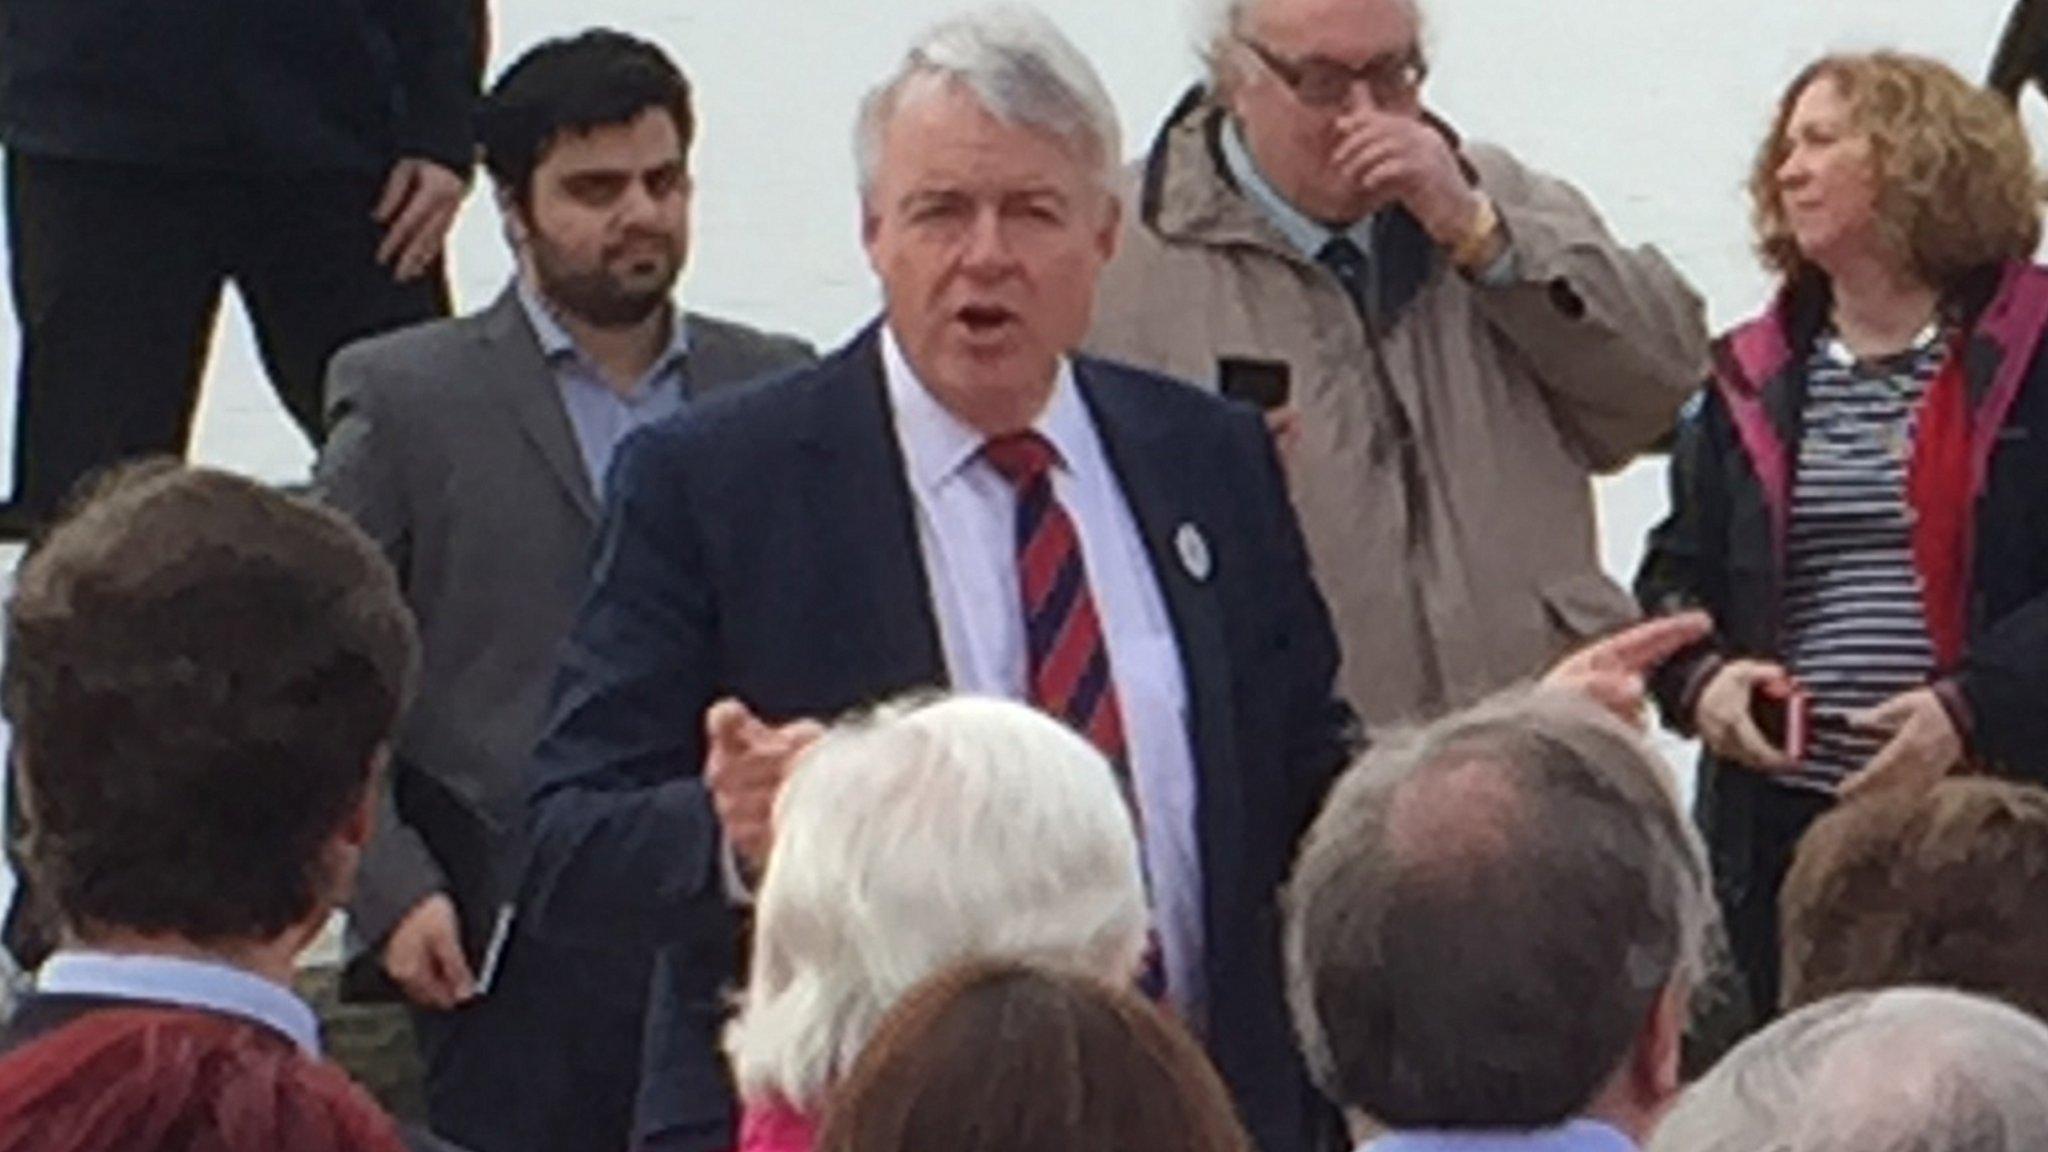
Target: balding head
x=1905 y=1070
x=1486 y=914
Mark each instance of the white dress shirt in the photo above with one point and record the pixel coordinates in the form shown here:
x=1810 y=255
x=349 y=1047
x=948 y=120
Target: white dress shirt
x=966 y=528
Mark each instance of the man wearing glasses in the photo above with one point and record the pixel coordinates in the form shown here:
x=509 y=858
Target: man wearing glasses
x=1447 y=342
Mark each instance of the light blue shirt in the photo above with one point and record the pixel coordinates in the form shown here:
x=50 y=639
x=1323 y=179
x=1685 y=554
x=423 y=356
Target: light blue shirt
x=600 y=416
x=966 y=528
x=201 y=984
x=1308 y=235
x=1576 y=1136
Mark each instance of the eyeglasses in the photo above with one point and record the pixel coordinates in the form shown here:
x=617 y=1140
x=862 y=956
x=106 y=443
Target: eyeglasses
x=1323 y=83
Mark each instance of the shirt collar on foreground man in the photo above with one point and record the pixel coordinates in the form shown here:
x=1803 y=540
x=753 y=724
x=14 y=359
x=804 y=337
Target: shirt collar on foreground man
x=203 y=984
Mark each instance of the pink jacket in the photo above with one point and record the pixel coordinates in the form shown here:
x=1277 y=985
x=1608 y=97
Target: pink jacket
x=776 y=1127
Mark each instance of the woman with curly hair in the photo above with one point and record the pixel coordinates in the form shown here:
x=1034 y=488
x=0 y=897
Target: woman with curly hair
x=1860 y=494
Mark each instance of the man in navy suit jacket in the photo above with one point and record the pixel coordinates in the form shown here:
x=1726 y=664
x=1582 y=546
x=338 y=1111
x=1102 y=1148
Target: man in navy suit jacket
x=832 y=538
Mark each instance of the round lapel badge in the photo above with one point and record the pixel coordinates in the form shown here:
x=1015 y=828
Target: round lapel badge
x=1194 y=552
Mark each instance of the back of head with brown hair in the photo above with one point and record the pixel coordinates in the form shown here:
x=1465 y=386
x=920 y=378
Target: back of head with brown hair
x=1010 y=1058
x=157 y=1080
x=200 y=673
x=1949 y=887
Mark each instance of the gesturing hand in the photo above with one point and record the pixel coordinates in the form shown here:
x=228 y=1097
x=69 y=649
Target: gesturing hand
x=745 y=762
x=1614 y=669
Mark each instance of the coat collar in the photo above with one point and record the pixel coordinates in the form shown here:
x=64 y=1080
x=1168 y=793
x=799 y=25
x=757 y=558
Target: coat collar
x=1187 y=195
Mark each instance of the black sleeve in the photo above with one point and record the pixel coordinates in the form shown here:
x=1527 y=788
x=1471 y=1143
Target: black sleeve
x=2004 y=679
x=625 y=845
x=1680 y=559
x=440 y=47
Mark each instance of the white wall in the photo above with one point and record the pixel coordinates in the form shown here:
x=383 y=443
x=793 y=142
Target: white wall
x=1652 y=106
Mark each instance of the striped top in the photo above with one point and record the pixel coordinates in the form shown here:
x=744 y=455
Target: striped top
x=1855 y=623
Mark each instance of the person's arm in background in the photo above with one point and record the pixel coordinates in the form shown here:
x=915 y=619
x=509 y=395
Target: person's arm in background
x=2022 y=51
x=400 y=914
x=1615 y=336
x=1323 y=733
x=439 y=45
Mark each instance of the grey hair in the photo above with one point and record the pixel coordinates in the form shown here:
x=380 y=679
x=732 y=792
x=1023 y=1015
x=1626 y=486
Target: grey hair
x=1218 y=24
x=919 y=837
x=1486 y=910
x=1021 y=68
x=1902 y=1070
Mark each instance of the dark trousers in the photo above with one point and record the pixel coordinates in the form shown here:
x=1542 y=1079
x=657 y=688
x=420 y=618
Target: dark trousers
x=1753 y=825
x=117 y=273
x=548 y=1062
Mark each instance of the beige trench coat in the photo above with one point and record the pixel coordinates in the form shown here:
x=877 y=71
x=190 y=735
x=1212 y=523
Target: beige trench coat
x=1475 y=563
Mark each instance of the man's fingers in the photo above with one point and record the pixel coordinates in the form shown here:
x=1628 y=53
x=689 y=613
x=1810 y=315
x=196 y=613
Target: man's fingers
x=728 y=722
x=798 y=735
x=1620 y=693
x=1642 y=647
x=425 y=247
x=1374 y=162
x=453 y=967
x=413 y=222
x=397 y=188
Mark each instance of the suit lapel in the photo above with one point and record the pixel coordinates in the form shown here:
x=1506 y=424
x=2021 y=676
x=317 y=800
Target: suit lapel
x=520 y=377
x=858 y=501
x=1158 y=482
x=714 y=362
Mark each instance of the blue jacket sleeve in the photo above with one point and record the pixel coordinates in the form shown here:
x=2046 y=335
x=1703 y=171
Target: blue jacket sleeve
x=624 y=840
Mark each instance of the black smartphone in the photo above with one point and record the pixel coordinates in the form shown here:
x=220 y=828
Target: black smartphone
x=1263 y=384
x=1782 y=720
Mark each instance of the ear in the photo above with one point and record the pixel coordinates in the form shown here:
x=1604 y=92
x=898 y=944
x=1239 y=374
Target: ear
x=870 y=230
x=1659 y=1047
x=1112 y=227
x=355 y=831
x=517 y=226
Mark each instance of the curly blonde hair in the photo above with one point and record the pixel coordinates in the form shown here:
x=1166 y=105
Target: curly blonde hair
x=1956 y=186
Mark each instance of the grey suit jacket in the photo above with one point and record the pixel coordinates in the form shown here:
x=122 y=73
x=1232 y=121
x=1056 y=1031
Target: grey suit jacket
x=448 y=443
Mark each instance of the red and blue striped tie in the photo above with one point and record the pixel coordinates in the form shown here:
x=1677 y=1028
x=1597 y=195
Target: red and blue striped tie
x=1069 y=663
x=1068 y=659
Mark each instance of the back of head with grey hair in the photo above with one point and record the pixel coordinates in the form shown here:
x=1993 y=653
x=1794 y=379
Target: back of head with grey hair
x=1903 y=1070
x=1022 y=70
x=916 y=838
x=1486 y=911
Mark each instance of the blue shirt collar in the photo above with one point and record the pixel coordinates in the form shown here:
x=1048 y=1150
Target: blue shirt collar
x=1306 y=234
x=209 y=985
x=1574 y=1136
x=556 y=342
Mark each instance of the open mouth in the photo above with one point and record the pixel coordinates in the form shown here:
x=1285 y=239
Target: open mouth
x=984 y=319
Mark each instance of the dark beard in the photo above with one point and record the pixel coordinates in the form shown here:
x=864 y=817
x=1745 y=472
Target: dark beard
x=596 y=297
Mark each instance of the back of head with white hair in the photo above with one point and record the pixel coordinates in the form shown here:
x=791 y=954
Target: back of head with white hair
x=1903 y=1070
x=918 y=837
x=1022 y=70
